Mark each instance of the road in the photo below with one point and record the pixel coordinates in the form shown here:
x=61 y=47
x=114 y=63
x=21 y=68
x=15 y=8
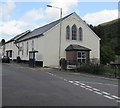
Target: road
x=25 y=86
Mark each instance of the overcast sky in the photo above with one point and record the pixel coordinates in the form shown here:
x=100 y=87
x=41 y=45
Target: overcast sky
x=17 y=17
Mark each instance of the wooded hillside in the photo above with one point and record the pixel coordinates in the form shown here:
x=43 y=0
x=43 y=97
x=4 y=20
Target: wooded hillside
x=110 y=39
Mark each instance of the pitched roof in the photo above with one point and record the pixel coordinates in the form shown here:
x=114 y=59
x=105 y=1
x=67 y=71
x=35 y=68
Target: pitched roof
x=74 y=47
x=19 y=36
x=39 y=31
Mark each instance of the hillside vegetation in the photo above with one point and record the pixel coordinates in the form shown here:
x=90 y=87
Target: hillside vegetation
x=110 y=39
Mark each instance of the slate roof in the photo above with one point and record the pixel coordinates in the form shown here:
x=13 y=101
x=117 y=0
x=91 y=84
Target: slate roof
x=41 y=30
x=74 y=47
x=19 y=36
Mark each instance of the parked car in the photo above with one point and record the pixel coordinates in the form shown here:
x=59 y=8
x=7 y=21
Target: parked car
x=5 y=59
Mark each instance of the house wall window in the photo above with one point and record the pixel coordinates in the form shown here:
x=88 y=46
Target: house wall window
x=68 y=32
x=74 y=32
x=18 y=48
x=81 y=57
x=9 y=53
x=32 y=45
x=27 y=48
x=80 y=34
x=22 y=48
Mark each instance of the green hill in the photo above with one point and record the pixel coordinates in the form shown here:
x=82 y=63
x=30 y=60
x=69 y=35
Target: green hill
x=110 y=22
x=109 y=33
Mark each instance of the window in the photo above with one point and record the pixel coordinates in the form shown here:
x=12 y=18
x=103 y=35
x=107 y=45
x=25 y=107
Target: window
x=22 y=48
x=68 y=32
x=9 y=53
x=32 y=45
x=27 y=48
x=81 y=57
x=80 y=34
x=18 y=49
x=74 y=32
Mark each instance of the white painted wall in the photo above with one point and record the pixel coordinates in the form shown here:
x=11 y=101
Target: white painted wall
x=36 y=43
x=48 y=45
x=10 y=46
x=51 y=53
x=90 y=40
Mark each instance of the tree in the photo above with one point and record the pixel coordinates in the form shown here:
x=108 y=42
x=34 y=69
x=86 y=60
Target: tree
x=107 y=54
x=3 y=41
x=99 y=30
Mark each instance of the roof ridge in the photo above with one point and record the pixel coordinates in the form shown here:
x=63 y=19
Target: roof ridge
x=41 y=30
x=17 y=36
x=55 y=21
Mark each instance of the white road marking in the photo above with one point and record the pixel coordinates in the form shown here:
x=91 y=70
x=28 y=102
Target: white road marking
x=75 y=83
x=70 y=81
x=108 y=97
x=87 y=87
x=97 y=92
x=65 y=79
x=116 y=97
x=79 y=82
x=82 y=86
x=50 y=73
x=97 y=83
x=95 y=89
x=106 y=93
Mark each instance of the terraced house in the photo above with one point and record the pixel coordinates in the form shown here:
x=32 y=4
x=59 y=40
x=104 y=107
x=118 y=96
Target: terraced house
x=79 y=43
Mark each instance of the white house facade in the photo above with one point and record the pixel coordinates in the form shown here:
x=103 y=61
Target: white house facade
x=78 y=42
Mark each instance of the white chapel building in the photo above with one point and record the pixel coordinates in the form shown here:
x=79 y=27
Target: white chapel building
x=79 y=44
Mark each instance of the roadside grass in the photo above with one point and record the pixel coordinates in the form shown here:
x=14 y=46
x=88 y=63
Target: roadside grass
x=92 y=69
x=97 y=69
x=112 y=71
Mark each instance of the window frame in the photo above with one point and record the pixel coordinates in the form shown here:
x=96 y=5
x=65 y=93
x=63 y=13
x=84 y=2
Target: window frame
x=68 y=32
x=80 y=34
x=74 y=32
x=10 y=53
x=22 y=48
x=18 y=48
x=32 y=45
x=27 y=48
x=81 y=58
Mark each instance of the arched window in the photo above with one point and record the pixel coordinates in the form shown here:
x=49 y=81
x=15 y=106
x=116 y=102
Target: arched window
x=68 y=32
x=74 y=32
x=80 y=34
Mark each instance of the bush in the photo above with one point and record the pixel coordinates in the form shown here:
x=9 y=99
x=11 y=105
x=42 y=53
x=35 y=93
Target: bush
x=92 y=69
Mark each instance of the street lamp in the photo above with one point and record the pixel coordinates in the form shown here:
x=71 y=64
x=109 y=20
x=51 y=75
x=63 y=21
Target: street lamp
x=60 y=30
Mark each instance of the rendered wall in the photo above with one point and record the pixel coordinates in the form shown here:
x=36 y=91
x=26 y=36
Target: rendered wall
x=90 y=40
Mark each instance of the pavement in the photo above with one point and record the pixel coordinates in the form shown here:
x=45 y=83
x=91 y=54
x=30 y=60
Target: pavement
x=25 y=86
